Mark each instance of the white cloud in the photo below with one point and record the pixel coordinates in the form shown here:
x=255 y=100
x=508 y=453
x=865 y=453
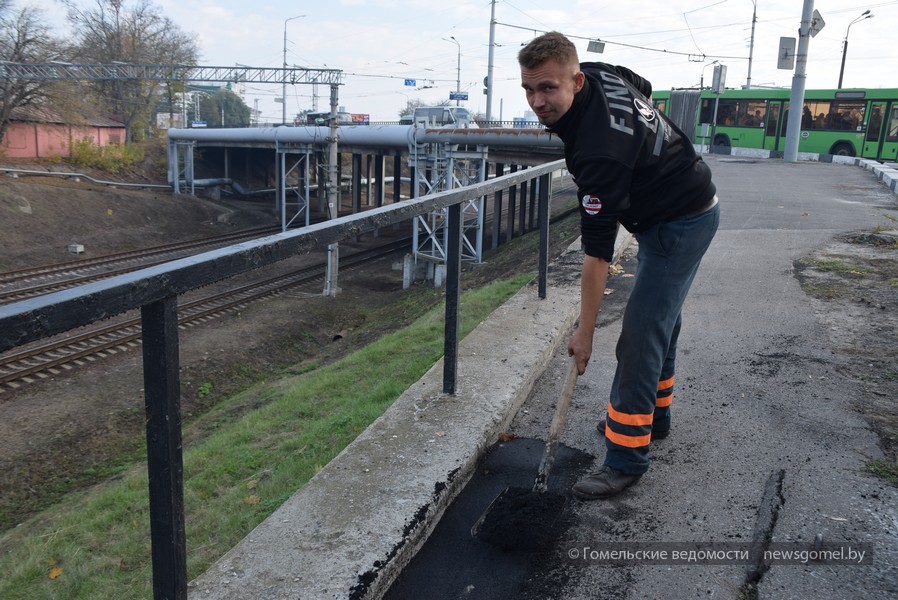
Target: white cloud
x=379 y=43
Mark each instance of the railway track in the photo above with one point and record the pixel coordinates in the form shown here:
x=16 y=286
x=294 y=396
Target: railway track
x=55 y=357
x=58 y=356
x=35 y=281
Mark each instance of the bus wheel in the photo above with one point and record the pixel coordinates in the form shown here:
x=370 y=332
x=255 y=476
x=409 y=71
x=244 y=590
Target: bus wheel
x=843 y=149
x=721 y=144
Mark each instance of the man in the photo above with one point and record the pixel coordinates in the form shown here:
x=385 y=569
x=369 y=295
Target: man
x=634 y=167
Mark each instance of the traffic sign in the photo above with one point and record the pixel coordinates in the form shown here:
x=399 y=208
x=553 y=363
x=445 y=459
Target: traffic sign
x=411 y=82
x=458 y=95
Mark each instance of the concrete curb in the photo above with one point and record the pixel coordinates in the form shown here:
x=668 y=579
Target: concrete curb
x=885 y=172
x=353 y=527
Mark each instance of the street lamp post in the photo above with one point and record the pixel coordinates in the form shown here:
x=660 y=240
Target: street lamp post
x=284 y=83
x=457 y=69
x=751 y=44
x=864 y=15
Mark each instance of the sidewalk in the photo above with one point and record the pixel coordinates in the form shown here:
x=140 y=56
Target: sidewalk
x=354 y=526
x=764 y=429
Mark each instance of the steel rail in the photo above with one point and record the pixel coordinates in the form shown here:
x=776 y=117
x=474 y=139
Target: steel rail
x=128 y=332
x=50 y=269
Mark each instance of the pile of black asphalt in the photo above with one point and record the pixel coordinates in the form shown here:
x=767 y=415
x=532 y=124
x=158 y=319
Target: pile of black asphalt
x=455 y=564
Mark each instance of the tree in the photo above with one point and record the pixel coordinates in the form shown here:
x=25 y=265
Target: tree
x=236 y=112
x=110 y=33
x=23 y=39
x=224 y=103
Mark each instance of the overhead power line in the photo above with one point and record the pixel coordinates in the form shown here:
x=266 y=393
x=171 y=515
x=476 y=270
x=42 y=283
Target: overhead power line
x=690 y=55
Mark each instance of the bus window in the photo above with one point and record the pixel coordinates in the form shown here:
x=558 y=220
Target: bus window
x=874 y=127
x=785 y=120
x=726 y=111
x=740 y=113
x=774 y=115
x=833 y=115
x=816 y=115
x=892 y=136
x=707 y=111
x=752 y=112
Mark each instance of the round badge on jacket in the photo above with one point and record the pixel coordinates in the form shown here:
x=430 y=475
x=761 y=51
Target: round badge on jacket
x=591 y=204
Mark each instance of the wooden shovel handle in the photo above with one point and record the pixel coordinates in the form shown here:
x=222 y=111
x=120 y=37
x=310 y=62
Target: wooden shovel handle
x=556 y=428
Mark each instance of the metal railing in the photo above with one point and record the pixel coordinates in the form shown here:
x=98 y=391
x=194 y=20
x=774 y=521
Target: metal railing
x=155 y=290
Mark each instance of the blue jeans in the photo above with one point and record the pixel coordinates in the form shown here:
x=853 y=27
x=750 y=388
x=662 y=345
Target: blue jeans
x=669 y=256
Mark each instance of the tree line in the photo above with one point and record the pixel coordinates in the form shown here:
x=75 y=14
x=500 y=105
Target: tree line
x=109 y=31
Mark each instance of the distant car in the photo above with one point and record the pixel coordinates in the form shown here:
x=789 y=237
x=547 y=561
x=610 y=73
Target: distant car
x=436 y=117
x=406 y=119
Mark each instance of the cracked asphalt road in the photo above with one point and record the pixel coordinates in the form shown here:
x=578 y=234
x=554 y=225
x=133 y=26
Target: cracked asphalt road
x=766 y=452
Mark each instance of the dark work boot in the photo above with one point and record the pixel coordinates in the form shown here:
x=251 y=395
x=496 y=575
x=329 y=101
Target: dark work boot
x=656 y=435
x=604 y=483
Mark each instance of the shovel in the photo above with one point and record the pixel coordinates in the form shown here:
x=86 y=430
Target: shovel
x=523 y=518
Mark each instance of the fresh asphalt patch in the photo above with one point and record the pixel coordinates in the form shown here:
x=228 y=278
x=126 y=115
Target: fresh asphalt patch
x=453 y=564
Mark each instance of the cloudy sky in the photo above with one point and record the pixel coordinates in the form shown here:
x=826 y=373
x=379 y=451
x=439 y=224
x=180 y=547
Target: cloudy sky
x=379 y=44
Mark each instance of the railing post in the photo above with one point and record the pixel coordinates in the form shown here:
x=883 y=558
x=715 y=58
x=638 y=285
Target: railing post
x=533 y=205
x=453 y=294
x=545 y=181
x=397 y=179
x=356 y=183
x=497 y=210
x=512 y=205
x=165 y=468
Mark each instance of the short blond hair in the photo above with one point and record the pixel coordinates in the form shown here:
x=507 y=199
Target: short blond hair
x=552 y=45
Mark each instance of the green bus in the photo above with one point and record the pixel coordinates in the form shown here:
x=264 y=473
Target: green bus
x=847 y=122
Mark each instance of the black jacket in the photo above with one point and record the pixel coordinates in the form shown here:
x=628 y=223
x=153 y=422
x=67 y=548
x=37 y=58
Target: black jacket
x=631 y=164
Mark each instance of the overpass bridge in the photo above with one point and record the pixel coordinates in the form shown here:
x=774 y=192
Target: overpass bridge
x=302 y=161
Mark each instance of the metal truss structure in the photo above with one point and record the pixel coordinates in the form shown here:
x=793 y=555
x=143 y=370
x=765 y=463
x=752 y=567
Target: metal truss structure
x=242 y=74
x=438 y=167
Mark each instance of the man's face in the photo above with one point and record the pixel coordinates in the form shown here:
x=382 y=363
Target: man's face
x=550 y=89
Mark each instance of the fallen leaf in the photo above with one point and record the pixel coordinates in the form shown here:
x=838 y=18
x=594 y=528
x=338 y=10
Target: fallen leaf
x=505 y=437
x=122 y=565
x=55 y=572
x=440 y=434
x=252 y=499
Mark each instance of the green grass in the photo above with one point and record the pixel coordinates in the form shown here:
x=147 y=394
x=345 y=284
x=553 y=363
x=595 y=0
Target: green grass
x=838 y=266
x=823 y=292
x=111 y=158
x=244 y=464
x=885 y=470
